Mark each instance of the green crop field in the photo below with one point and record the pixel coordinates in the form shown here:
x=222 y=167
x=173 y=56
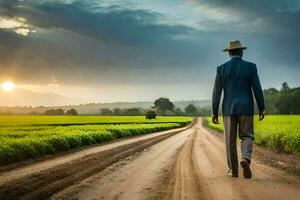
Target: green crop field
x=278 y=132
x=25 y=137
x=71 y=120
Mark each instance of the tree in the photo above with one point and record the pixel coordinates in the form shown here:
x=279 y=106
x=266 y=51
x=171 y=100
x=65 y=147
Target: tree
x=271 y=98
x=178 y=111
x=162 y=105
x=132 y=112
x=33 y=113
x=288 y=102
x=204 y=111
x=169 y=113
x=105 y=111
x=54 y=112
x=285 y=87
x=295 y=101
x=150 y=114
x=191 y=110
x=117 y=112
x=72 y=111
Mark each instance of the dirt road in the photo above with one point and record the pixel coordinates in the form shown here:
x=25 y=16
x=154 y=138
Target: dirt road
x=187 y=164
x=201 y=174
x=42 y=179
x=138 y=177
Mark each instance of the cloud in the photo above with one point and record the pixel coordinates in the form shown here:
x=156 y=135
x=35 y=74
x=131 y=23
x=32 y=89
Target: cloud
x=111 y=23
x=106 y=44
x=17 y=25
x=93 y=40
x=265 y=16
x=41 y=58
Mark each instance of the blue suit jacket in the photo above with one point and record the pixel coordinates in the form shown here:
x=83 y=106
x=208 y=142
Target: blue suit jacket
x=237 y=78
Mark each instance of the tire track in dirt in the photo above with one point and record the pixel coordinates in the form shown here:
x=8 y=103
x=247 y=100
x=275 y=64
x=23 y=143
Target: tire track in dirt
x=40 y=181
x=187 y=180
x=140 y=177
x=201 y=174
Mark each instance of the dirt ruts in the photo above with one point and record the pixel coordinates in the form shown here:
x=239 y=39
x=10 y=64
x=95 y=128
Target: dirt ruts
x=143 y=176
x=201 y=174
x=188 y=163
x=32 y=184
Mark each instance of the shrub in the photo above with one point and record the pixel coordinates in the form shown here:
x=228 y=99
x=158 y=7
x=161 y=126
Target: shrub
x=151 y=114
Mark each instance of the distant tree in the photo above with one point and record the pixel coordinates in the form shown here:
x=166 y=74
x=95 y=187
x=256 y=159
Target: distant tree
x=169 y=113
x=178 y=112
x=72 y=111
x=289 y=102
x=132 y=112
x=54 y=112
x=105 y=111
x=150 y=114
x=162 y=105
x=204 y=111
x=191 y=110
x=285 y=87
x=295 y=101
x=117 y=112
x=33 y=113
x=271 y=98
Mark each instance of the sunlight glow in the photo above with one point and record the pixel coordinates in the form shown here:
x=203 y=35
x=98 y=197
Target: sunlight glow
x=8 y=86
x=17 y=24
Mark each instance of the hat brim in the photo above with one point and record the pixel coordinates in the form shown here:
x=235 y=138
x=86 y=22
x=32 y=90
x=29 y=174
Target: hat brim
x=243 y=48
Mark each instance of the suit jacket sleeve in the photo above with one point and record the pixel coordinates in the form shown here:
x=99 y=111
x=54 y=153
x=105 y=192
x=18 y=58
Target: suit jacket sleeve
x=217 y=91
x=258 y=92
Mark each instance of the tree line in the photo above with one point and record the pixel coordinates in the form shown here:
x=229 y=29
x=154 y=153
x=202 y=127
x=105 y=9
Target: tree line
x=58 y=111
x=162 y=106
x=283 y=101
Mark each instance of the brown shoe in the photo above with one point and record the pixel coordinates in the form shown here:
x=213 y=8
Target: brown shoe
x=246 y=169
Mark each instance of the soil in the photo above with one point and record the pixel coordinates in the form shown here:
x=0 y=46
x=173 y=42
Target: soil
x=186 y=163
x=42 y=180
x=201 y=174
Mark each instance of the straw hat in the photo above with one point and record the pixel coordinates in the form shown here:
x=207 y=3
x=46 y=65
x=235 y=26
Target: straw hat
x=235 y=44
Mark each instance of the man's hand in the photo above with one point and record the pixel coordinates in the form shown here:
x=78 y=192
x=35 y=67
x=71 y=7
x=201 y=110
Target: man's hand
x=215 y=119
x=261 y=115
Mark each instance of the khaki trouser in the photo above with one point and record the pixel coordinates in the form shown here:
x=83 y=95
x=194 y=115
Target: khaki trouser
x=244 y=126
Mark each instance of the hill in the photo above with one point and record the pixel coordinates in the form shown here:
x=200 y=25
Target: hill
x=29 y=98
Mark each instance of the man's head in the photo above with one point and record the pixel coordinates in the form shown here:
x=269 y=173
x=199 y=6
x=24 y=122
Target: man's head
x=235 y=48
x=236 y=52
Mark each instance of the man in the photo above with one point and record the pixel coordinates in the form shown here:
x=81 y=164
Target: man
x=237 y=78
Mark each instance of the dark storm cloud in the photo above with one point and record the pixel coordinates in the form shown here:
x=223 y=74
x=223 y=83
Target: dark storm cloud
x=30 y=59
x=269 y=27
x=269 y=15
x=85 y=38
x=79 y=42
x=72 y=58
x=111 y=23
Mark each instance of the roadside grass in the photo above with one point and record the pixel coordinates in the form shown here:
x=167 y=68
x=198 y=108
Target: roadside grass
x=277 y=132
x=24 y=138
x=42 y=120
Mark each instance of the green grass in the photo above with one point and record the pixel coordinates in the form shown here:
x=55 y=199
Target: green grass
x=278 y=132
x=71 y=120
x=25 y=137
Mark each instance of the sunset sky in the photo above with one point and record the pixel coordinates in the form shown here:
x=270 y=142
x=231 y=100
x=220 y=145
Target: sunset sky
x=126 y=50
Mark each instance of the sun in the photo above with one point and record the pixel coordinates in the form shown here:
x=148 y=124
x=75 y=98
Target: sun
x=8 y=86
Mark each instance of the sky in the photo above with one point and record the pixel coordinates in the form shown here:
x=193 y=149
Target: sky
x=139 y=50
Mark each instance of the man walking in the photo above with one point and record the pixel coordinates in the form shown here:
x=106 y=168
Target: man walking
x=237 y=78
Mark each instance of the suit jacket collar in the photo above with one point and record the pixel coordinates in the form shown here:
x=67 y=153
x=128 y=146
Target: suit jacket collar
x=236 y=57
